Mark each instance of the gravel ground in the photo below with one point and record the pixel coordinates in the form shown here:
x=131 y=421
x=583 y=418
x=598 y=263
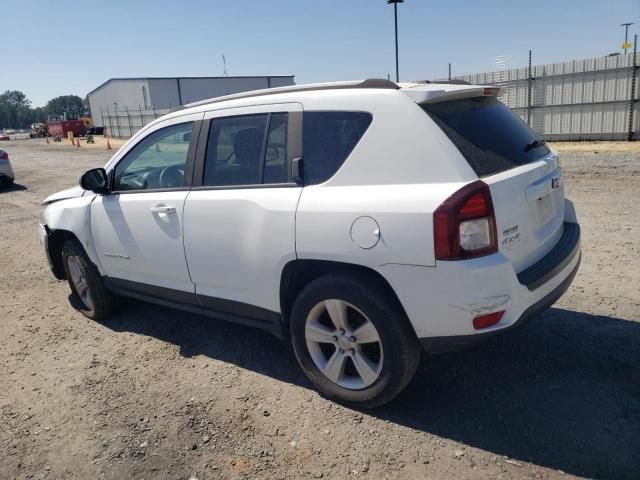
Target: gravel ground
x=157 y=393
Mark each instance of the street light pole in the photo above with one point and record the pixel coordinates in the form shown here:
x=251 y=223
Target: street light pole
x=626 y=34
x=395 y=18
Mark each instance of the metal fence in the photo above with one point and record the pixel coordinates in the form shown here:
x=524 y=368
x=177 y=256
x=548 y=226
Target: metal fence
x=591 y=99
x=124 y=123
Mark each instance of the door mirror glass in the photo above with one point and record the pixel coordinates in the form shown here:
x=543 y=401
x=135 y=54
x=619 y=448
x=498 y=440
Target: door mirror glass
x=95 y=180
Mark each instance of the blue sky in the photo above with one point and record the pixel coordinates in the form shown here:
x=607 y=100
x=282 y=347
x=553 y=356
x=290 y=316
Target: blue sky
x=50 y=48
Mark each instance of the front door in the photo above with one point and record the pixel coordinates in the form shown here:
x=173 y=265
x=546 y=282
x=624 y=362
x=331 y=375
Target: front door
x=137 y=228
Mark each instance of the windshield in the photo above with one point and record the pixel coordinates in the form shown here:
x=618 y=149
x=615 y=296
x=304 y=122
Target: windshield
x=490 y=136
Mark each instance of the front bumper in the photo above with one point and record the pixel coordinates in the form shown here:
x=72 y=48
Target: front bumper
x=441 y=302
x=44 y=234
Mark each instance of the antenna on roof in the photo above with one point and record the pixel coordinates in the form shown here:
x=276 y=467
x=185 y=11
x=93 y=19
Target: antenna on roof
x=224 y=63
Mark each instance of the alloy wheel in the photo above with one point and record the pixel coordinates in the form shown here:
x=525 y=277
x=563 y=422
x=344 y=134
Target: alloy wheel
x=79 y=281
x=344 y=344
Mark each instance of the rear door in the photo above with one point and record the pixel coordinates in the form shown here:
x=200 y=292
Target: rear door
x=240 y=215
x=523 y=174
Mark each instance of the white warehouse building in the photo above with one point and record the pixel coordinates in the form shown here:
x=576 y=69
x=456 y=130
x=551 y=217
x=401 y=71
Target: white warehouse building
x=123 y=105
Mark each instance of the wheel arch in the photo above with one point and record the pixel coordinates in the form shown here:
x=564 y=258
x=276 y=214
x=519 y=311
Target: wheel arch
x=297 y=274
x=56 y=241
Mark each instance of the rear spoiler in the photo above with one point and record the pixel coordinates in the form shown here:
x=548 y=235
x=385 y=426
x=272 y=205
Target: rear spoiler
x=451 y=92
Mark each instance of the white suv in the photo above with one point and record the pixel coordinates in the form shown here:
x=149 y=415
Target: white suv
x=360 y=220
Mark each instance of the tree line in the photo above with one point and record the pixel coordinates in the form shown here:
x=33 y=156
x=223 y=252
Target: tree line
x=16 y=110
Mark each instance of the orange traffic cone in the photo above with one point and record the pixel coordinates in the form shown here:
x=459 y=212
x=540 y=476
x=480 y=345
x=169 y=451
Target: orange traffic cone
x=108 y=144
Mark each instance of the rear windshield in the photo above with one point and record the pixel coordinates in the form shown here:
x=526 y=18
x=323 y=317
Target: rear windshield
x=490 y=136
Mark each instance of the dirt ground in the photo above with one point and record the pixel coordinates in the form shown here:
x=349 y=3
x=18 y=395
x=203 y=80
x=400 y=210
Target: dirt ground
x=157 y=393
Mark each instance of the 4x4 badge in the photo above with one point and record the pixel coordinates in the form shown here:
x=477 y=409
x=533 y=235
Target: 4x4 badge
x=555 y=182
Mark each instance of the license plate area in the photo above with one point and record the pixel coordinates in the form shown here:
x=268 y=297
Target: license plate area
x=545 y=209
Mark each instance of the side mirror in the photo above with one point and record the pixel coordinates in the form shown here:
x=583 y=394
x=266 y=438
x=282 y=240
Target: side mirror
x=95 y=180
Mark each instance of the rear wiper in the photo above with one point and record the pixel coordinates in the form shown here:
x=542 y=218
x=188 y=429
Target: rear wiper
x=535 y=144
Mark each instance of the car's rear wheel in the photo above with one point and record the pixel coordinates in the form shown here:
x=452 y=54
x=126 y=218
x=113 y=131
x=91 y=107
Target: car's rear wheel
x=91 y=296
x=353 y=340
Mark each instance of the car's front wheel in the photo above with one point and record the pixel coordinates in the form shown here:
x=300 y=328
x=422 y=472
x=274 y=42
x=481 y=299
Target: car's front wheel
x=353 y=340
x=92 y=297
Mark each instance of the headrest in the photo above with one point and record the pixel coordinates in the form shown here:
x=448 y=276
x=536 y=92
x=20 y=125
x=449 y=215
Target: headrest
x=248 y=144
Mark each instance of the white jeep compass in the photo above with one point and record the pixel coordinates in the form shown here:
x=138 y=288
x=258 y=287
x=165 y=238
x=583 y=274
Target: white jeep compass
x=363 y=221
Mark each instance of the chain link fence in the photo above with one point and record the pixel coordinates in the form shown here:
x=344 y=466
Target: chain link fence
x=124 y=123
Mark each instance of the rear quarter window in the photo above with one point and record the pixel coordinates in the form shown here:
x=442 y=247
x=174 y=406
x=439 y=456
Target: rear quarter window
x=488 y=134
x=327 y=140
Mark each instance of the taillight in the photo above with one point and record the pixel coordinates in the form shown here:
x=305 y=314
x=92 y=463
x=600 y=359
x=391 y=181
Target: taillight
x=464 y=226
x=4 y=155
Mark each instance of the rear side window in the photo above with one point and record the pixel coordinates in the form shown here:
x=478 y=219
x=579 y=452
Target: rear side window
x=490 y=136
x=327 y=140
x=234 y=150
x=275 y=162
x=239 y=152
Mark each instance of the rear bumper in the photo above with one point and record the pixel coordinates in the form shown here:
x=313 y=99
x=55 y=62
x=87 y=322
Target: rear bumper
x=459 y=342
x=555 y=261
x=442 y=302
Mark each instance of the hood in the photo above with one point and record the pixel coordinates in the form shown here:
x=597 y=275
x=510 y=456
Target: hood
x=73 y=192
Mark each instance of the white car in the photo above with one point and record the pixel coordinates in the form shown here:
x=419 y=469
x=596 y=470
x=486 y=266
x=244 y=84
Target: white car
x=359 y=220
x=6 y=172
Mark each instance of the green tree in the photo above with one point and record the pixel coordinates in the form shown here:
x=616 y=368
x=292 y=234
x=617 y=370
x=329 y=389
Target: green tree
x=15 y=110
x=73 y=105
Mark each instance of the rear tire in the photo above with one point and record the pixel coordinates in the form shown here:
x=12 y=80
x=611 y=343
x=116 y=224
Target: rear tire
x=380 y=351
x=91 y=295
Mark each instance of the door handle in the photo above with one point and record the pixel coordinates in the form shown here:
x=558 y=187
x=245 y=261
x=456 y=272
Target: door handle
x=163 y=209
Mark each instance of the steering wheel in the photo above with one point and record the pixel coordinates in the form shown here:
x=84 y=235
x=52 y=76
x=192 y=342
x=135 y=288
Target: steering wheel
x=171 y=177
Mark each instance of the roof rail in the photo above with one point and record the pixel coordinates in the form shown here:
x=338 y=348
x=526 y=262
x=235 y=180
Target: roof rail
x=368 y=83
x=447 y=82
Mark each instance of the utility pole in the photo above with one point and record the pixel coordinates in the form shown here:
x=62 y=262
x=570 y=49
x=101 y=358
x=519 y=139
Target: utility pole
x=395 y=18
x=529 y=90
x=449 y=70
x=632 y=99
x=626 y=35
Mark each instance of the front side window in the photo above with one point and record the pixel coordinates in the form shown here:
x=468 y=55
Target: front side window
x=157 y=161
x=247 y=150
x=327 y=140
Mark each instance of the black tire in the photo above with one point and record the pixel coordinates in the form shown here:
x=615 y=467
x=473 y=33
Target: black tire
x=101 y=298
x=400 y=345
